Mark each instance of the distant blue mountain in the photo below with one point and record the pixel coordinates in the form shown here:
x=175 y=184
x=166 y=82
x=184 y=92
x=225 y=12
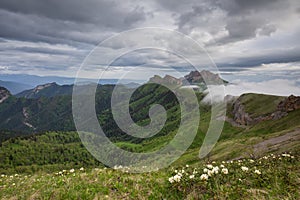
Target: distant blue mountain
x=15 y=87
x=34 y=80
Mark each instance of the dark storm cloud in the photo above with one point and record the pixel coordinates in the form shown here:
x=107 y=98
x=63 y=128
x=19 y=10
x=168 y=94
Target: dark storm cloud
x=244 y=7
x=65 y=21
x=58 y=34
x=104 y=13
x=242 y=19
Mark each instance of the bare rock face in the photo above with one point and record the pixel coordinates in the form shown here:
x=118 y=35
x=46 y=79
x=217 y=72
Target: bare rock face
x=4 y=94
x=239 y=114
x=194 y=77
x=168 y=80
x=204 y=77
x=240 y=117
x=41 y=87
x=289 y=104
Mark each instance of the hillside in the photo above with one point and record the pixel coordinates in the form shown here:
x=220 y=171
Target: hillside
x=251 y=138
x=39 y=145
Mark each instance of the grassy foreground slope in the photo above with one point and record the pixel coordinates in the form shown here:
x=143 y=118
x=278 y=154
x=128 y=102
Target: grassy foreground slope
x=269 y=177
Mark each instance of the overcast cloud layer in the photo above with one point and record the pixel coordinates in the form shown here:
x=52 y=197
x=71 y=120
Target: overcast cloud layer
x=253 y=40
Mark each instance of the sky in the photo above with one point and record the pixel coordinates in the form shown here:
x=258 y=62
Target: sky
x=249 y=41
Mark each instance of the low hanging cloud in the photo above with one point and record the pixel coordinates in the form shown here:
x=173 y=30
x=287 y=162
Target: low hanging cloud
x=278 y=87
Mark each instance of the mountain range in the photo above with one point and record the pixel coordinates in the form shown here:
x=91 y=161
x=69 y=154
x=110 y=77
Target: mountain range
x=48 y=106
x=41 y=118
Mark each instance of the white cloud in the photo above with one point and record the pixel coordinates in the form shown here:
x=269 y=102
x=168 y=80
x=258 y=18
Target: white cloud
x=278 y=87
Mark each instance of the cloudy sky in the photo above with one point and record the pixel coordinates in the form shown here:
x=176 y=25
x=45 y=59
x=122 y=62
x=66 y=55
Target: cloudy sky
x=256 y=40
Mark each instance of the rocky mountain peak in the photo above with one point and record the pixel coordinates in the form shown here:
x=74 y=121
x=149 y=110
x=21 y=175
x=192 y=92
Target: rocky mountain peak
x=4 y=94
x=204 y=76
x=193 y=78
x=167 y=79
x=41 y=87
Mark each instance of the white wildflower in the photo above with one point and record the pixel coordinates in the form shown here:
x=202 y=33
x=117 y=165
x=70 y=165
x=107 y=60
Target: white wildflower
x=209 y=166
x=72 y=170
x=192 y=176
x=204 y=177
x=257 y=172
x=215 y=170
x=171 y=179
x=205 y=170
x=244 y=168
x=81 y=169
x=210 y=172
x=225 y=171
x=251 y=161
x=177 y=178
x=222 y=166
x=187 y=166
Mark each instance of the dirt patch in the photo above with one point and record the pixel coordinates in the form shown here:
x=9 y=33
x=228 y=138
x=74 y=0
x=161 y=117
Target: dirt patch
x=275 y=143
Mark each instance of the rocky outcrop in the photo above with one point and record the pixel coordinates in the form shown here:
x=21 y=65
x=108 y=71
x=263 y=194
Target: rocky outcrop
x=168 y=80
x=26 y=118
x=193 y=78
x=41 y=87
x=289 y=104
x=204 y=77
x=4 y=94
x=240 y=117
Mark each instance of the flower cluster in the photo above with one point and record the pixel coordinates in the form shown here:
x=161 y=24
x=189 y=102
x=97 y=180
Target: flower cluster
x=66 y=172
x=187 y=173
x=210 y=170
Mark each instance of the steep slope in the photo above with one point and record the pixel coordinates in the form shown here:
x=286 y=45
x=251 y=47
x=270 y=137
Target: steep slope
x=4 y=94
x=45 y=113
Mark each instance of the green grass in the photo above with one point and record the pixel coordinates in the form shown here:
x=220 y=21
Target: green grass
x=279 y=179
x=260 y=104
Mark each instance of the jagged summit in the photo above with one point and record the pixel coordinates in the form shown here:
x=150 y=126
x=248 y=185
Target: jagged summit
x=193 y=78
x=204 y=76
